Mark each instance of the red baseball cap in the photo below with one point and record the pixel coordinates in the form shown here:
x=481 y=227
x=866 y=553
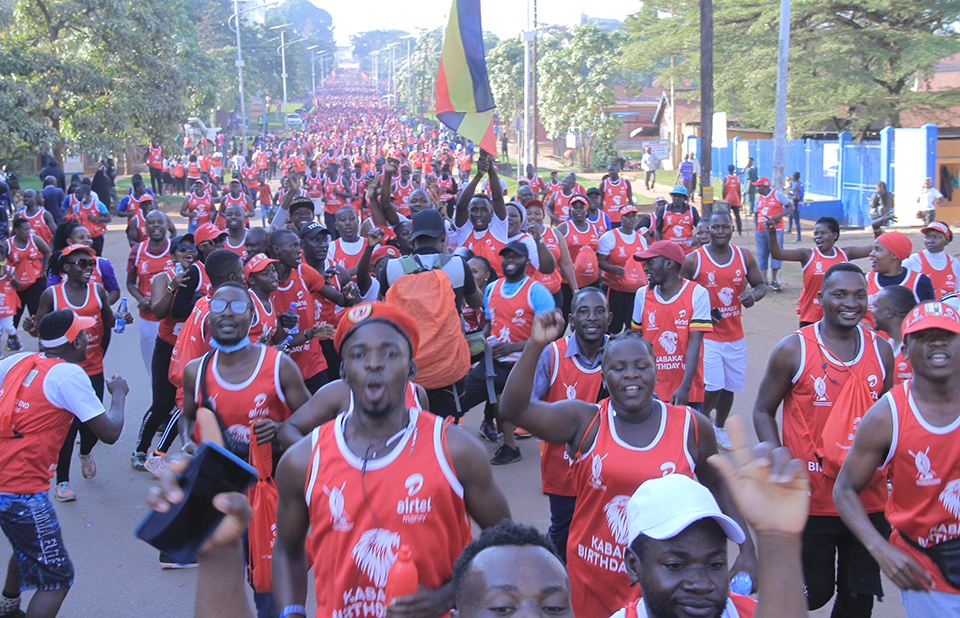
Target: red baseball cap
x=761 y=182
x=662 y=248
x=381 y=312
x=938 y=226
x=627 y=208
x=207 y=231
x=257 y=263
x=78 y=247
x=78 y=324
x=932 y=315
x=384 y=251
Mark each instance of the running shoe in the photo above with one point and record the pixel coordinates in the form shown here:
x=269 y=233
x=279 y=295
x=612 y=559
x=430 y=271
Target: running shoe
x=88 y=467
x=167 y=562
x=138 y=461
x=155 y=464
x=520 y=433
x=13 y=344
x=723 y=440
x=488 y=432
x=506 y=455
x=63 y=493
x=775 y=286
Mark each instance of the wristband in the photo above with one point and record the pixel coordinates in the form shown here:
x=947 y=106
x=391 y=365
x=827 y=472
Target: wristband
x=293 y=609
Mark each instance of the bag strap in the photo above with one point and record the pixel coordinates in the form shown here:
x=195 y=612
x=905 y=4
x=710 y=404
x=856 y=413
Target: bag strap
x=201 y=379
x=596 y=419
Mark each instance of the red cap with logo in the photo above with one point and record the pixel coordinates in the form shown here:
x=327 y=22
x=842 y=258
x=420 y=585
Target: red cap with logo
x=207 y=231
x=257 y=263
x=932 y=315
x=761 y=182
x=379 y=311
x=662 y=248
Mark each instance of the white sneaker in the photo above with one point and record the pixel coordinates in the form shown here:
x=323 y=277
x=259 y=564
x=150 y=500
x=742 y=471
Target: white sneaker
x=155 y=463
x=723 y=440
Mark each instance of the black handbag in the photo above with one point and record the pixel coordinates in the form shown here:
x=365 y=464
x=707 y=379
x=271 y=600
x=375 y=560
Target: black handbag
x=945 y=555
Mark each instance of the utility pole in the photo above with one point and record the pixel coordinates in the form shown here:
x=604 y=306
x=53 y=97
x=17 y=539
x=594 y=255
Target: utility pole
x=780 y=120
x=533 y=86
x=706 y=106
x=239 y=64
x=527 y=36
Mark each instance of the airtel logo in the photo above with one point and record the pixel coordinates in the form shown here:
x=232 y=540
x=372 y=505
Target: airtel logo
x=414 y=484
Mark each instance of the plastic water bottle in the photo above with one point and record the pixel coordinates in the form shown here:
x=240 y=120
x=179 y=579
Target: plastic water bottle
x=296 y=328
x=121 y=324
x=402 y=578
x=287 y=344
x=741 y=584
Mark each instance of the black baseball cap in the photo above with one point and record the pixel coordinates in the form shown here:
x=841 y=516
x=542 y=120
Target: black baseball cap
x=302 y=202
x=428 y=222
x=594 y=191
x=312 y=229
x=517 y=247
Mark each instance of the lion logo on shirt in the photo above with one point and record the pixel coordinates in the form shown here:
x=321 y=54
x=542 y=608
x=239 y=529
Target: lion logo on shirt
x=726 y=296
x=616 y=513
x=668 y=341
x=950 y=498
x=375 y=553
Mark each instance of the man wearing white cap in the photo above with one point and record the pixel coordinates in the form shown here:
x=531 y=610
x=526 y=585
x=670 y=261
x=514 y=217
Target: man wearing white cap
x=912 y=433
x=678 y=540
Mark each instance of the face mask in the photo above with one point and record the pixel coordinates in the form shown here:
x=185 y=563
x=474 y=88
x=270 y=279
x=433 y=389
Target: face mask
x=216 y=345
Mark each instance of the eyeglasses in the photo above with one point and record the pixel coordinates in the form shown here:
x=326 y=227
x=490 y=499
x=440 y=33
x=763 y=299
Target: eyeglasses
x=186 y=247
x=83 y=263
x=237 y=307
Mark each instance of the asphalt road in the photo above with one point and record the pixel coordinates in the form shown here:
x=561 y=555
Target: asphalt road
x=119 y=576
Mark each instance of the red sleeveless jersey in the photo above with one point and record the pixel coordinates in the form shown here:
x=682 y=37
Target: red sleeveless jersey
x=170 y=326
x=258 y=397
x=149 y=266
x=554 y=279
x=296 y=290
x=622 y=255
x=731 y=190
x=605 y=477
x=9 y=301
x=678 y=226
x=240 y=200
x=37 y=224
x=874 y=287
x=331 y=201
x=484 y=244
x=139 y=222
x=192 y=342
x=154 y=156
x=200 y=207
x=768 y=206
x=401 y=196
x=808 y=306
x=902 y=369
x=249 y=175
x=568 y=380
x=240 y=249
x=615 y=196
x=724 y=283
x=418 y=502
x=808 y=404
x=83 y=212
x=511 y=317
x=924 y=464
x=43 y=426
x=944 y=281
x=667 y=324
x=26 y=262
x=561 y=204
x=339 y=255
x=90 y=308
x=576 y=239
x=264 y=320
x=314 y=185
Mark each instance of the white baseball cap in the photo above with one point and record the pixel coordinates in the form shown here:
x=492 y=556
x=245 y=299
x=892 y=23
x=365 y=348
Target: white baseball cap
x=662 y=508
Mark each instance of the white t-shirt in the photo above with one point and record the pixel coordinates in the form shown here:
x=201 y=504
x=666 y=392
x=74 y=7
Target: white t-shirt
x=700 y=309
x=65 y=386
x=647 y=162
x=929 y=197
x=936 y=260
x=498 y=227
x=608 y=241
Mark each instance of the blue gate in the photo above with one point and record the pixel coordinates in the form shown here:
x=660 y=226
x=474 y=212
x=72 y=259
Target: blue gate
x=860 y=165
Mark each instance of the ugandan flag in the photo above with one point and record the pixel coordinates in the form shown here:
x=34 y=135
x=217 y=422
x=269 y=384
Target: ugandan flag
x=464 y=101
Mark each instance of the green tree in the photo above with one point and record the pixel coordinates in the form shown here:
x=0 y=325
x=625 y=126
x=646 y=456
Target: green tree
x=505 y=69
x=575 y=87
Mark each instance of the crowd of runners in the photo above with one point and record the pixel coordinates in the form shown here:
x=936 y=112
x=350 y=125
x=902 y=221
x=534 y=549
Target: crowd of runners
x=389 y=286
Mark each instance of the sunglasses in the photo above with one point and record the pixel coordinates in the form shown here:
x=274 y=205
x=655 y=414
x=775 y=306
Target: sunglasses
x=186 y=247
x=237 y=307
x=83 y=263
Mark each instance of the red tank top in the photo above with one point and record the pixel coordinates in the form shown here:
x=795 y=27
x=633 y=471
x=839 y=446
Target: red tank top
x=200 y=207
x=768 y=206
x=265 y=319
x=28 y=462
x=483 y=244
x=418 y=502
x=240 y=200
x=308 y=356
x=512 y=316
x=808 y=306
x=170 y=326
x=314 y=185
x=924 y=463
x=339 y=256
x=401 y=196
x=808 y=404
x=140 y=223
x=331 y=201
x=240 y=249
x=90 y=308
x=731 y=191
x=561 y=204
x=154 y=156
x=554 y=279
x=193 y=169
x=614 y=197
x=622 y=255
x=576 y=239
x=83 y=214
x=902 y=369
x=874 y=287
x=944 y=281
x=568 y=380
x=249 y=174
x=38 y=225
x=240 y=405
x=605 y=477
x=667 y=327
x=149 y=266
x=724 y=283
x=26 y=262
x=9 y=301
x=678 y=226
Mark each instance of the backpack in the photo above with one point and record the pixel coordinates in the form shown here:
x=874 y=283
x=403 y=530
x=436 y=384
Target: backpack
x=427 y=295
x=586 y=267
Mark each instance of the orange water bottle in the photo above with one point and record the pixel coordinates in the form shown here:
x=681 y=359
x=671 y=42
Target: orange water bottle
x=402 y=579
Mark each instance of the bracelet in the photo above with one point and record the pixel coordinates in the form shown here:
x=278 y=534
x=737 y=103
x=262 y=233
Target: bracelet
x=170 y=289
x=293 y=609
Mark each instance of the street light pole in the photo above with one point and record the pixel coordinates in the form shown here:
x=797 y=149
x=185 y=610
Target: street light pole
x=313 y=68
x=239 y=65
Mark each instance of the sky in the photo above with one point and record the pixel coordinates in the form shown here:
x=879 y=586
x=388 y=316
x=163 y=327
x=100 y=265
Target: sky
x=504 y=18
